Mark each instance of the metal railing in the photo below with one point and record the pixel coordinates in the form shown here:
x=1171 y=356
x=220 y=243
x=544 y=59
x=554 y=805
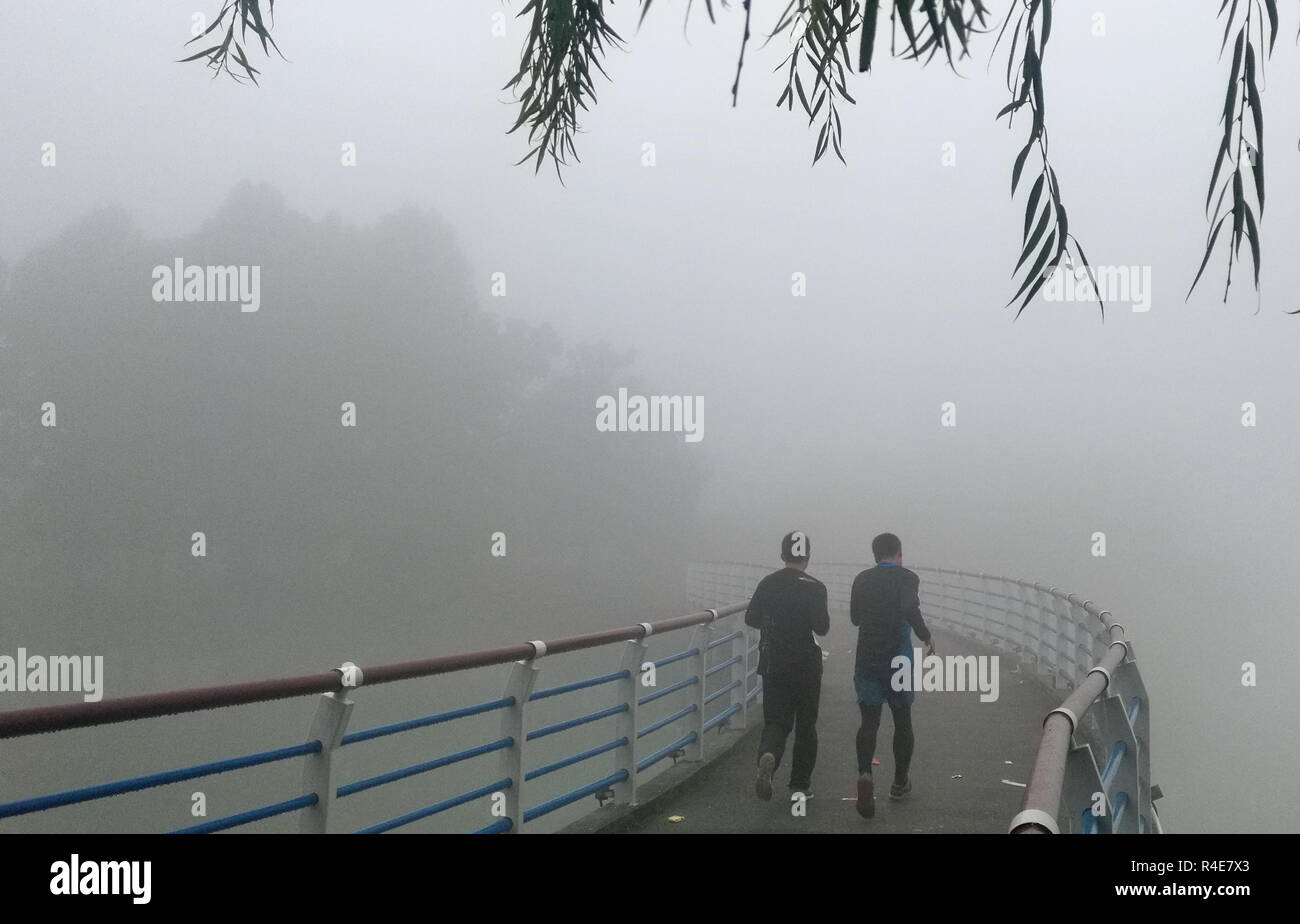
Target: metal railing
x=1092 y=772
x=715 y=692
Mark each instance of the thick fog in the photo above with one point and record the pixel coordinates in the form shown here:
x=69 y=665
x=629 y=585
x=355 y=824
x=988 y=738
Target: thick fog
x=471 y=313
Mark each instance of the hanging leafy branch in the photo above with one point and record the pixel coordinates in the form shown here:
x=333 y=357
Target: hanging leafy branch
x=821 y=30
x=940 y=21
x=247 y=14
x=1046 y=234
x=740 y=61
x=708 y=6
x=565 y=40
x=1236 y=148
x=568 y=38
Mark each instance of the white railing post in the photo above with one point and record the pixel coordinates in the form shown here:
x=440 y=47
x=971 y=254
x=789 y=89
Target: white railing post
x=984 y=610
x=965 y=615
x=700 y=642
x=1068 y=637
x=1091 y=633
x=1035 y=597
x=1012 y=640
x=970 y=594
x=626 y=757
x=1022 y=619
x=1058 y=640
x=332 y=713
x=739 y=672
x=523 y=677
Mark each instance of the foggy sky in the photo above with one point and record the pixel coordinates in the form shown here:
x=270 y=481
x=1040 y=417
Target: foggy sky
x=822 y=412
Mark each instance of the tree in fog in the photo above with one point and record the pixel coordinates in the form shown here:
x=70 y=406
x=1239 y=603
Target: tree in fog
x=175 y=417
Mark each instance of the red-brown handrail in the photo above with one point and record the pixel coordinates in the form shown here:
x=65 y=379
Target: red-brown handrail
x=35 y=720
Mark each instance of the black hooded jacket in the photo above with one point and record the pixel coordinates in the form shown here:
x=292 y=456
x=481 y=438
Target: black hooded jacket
x=885 y=605
x=789 y=606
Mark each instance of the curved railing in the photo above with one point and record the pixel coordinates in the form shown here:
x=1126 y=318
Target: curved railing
x=1093 y=768
x=717 y=687
x=1091 y=773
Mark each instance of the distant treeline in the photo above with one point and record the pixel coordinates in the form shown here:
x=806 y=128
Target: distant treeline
x=179 y=417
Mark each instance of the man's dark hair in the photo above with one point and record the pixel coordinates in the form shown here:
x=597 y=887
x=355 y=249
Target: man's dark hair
x=787 y=547
x=886 y=545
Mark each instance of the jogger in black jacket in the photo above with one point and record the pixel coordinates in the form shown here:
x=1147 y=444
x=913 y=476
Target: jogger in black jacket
x=788 y=606
x=885 y=605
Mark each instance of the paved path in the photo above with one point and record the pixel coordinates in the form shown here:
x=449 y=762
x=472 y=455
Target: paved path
x=956 y=734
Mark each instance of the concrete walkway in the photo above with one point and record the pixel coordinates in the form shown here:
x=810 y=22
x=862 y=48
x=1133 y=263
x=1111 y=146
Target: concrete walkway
x=963 y=747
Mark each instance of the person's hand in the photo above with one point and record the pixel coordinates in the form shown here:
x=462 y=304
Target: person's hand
x=929 y=648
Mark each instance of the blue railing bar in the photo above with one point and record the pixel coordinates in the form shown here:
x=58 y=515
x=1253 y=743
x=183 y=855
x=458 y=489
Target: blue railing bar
x=722 y=716
x=722 y=666
x=1134 y=707
x=422 y=721
x=671 y=688
x=673 y=659
x=135 y=783
x=435 y=808
x=578 y=685
x=576 y=758
x=392 y=776
x=551 y=805
x=1112 y=762
x=667 y=720
x=574 y=723
x=752 y=693
x=500 y=826
x=721 y=692
x=722 y=641
x=1121 y=803
x=663 y=752
x=243 y=818
x=753 y=673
